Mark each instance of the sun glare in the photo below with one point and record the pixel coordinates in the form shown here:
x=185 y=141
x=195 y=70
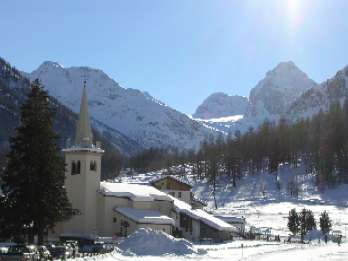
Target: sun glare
x=294 y=14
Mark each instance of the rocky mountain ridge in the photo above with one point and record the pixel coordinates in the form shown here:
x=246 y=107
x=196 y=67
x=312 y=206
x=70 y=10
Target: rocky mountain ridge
x=133 y=113
x=14 y=89
x=219 y=105
x=274 y=97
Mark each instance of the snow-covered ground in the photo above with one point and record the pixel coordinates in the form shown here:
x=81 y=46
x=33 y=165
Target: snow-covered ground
x=251 y=251
x=264 y=204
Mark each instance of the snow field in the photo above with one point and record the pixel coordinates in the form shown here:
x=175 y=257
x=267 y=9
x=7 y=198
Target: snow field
x=258 y=199
x=251 y=251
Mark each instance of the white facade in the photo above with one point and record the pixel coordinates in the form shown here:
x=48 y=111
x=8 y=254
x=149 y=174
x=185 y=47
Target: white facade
x=133 y=196
x=81 y=188
x=179 y=194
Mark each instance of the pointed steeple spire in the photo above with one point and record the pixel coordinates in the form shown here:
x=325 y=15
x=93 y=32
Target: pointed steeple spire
x=84 y=136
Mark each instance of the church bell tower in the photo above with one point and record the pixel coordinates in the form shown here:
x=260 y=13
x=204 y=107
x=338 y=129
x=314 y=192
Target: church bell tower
x=82 y=176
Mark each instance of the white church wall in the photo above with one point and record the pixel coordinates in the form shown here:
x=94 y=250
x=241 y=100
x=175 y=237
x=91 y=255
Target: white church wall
x=132 y=225
x=146 y=205
x=81 y=189
x=106 y=214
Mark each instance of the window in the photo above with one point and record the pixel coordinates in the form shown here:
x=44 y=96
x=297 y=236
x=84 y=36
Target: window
x=172 y=193
x=185 y=222
x=78 y=167
x=93 y=165
x=114 y=220
x=75 y=167
x=179 y=194
x=124 y=228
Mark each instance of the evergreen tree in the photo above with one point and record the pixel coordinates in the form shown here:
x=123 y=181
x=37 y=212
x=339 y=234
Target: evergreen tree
x=325 y=223
x=302 y=220
x=293 y=221
x=310 y=221
x=307 y=222
x=33 y=182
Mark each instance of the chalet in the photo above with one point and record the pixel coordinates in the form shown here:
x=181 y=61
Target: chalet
x=110 y=209
x=179 y=189
x=174 y=187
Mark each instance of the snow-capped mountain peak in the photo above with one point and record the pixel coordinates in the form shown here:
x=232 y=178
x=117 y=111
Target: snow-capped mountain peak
x=273 y=95
x=219 y=105
x=134 y=113
x=322 y=96
x=50 y=65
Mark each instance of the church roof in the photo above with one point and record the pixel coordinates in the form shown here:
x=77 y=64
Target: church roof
x=145 y=216
x=84 y=135
x=135 y=192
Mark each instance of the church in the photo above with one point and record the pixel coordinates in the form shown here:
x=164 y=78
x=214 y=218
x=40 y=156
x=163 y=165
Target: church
x=116 y=209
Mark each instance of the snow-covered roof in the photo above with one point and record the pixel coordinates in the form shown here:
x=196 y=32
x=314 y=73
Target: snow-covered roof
x=78 y=148
x=228 y=218
x=146 y=216
x=172 y=177
x=199 y=214
x=135 y=192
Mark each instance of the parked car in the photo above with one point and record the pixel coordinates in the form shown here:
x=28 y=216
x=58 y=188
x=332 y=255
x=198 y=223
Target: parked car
x=73 y=248
x=96 y=248
x=21 y=253
x=59 y=252
x=44 y=253
x=109 y=247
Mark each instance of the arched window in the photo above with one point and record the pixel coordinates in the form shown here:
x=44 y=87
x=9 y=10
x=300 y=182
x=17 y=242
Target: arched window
x=78 y=167
x=73 y=168
x=93 y=165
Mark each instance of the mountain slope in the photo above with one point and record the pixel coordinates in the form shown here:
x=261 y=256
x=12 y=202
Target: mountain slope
x=275 y=93
x=13 y=92
x=134 y=113
x=219 y=105
x=270 y=99
x=321 y=97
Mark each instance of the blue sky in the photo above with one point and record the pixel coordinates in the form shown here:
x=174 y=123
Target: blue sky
x=180 y=51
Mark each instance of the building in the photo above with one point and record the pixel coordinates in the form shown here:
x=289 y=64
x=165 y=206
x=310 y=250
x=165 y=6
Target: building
x=179 y=189
x=124 y=207
x=237 y=222
x=198 y=225
x=110 y=209
x=174 y=187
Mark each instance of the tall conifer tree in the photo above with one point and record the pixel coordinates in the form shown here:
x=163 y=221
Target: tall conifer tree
x=33 y=183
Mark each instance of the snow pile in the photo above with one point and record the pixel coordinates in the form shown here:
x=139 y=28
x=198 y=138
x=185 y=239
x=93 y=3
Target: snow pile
x=146 y=241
